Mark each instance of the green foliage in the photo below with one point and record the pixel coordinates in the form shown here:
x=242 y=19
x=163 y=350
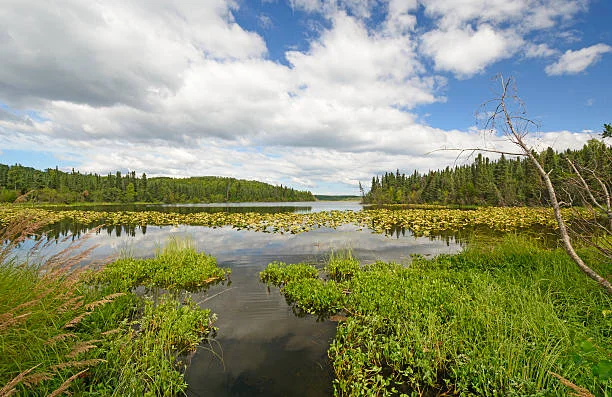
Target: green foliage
x=489 y=321
x=315 y=296
x=342 y=266
x=279 y=273
x=55 y=186
x=7 y=196
x=504 y=182
x=61 y=329
x=175 y=267
x=142 y=361
x=607 y=132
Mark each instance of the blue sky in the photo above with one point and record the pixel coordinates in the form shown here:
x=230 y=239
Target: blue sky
x=314 y=94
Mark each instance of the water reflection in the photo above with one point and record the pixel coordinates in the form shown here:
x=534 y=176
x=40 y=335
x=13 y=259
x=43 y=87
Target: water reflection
x=261 y=348
x=74 y=230
x=258 y=207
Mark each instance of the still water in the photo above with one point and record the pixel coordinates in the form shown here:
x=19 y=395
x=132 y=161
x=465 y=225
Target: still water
x=262 y=348
x=300 y=207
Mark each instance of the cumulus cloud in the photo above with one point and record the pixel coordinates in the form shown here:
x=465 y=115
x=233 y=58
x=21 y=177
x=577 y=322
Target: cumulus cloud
x=470 y=35
x=400 y=18
x=572 y=62
x=179 y=88
x=114 y=52
x=468 y=51
x=344 y=90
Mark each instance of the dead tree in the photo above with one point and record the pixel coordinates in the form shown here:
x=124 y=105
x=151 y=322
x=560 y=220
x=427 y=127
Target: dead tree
x=509 y=115
x=594 y=220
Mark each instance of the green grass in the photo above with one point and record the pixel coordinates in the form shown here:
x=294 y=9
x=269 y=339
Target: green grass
x=342 y=266
x=176 y=266
x=63 y=328
x=492 y=321
x=145 y=357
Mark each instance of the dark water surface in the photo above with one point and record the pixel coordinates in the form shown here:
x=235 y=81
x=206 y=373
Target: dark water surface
x=262 y=348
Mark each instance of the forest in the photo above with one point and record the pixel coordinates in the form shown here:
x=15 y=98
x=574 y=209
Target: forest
x=502 y=182
x=55 y=186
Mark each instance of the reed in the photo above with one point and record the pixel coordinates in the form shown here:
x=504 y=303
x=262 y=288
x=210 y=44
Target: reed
x=63 y=330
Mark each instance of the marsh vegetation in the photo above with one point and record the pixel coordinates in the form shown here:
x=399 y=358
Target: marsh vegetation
x=514 y=319
x=509 y=315
x=68 y=327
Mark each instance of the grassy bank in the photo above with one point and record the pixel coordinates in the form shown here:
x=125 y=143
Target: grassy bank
x=510 y=320
x=65 y=328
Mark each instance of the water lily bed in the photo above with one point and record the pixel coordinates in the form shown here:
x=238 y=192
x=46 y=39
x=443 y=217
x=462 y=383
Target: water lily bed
x=421 y=222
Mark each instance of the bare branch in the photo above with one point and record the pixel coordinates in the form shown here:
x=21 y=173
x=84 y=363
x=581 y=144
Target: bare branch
x=517 y=136
x=478 y=150
x=585 y=185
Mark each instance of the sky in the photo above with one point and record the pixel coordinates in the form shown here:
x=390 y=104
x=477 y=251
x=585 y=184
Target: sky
x=313 y=94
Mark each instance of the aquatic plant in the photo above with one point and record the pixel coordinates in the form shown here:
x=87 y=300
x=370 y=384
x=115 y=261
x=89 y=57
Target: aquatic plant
x=342 y=266
x=279 y=273
x=513 y=319
x=175 y=267
x=63 y=331
x=421 y=222
x=315 y=296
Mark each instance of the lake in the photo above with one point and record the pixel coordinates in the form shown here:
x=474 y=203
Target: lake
x=261 y=348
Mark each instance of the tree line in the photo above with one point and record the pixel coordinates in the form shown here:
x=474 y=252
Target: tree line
x=55 y=186
x=503 y=182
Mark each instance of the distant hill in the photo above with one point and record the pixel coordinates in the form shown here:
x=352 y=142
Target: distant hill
x=55 y=186
x=327 y=197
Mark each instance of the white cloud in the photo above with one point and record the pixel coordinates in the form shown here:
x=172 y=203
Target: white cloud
x=541 y=50
x=572 y=62
x=193 y=93
x=112 y=52
x=351 y=65
x=400 y=19
x=467 y=51
x=470 y=35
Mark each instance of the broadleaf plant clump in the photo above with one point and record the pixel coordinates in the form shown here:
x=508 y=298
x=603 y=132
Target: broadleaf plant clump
x=514 y=319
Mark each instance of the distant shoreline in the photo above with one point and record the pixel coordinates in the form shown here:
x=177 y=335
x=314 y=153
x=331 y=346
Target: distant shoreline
x=330 y=197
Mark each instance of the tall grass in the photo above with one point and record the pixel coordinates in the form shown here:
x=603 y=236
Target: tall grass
x=41 y=308
x=65 y=328
x=513 y=319
x=176 y=266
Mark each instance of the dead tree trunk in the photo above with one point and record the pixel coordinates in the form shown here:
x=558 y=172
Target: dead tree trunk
x=516 y=136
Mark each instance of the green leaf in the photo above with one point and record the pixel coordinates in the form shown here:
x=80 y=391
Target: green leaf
x=603 y=370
